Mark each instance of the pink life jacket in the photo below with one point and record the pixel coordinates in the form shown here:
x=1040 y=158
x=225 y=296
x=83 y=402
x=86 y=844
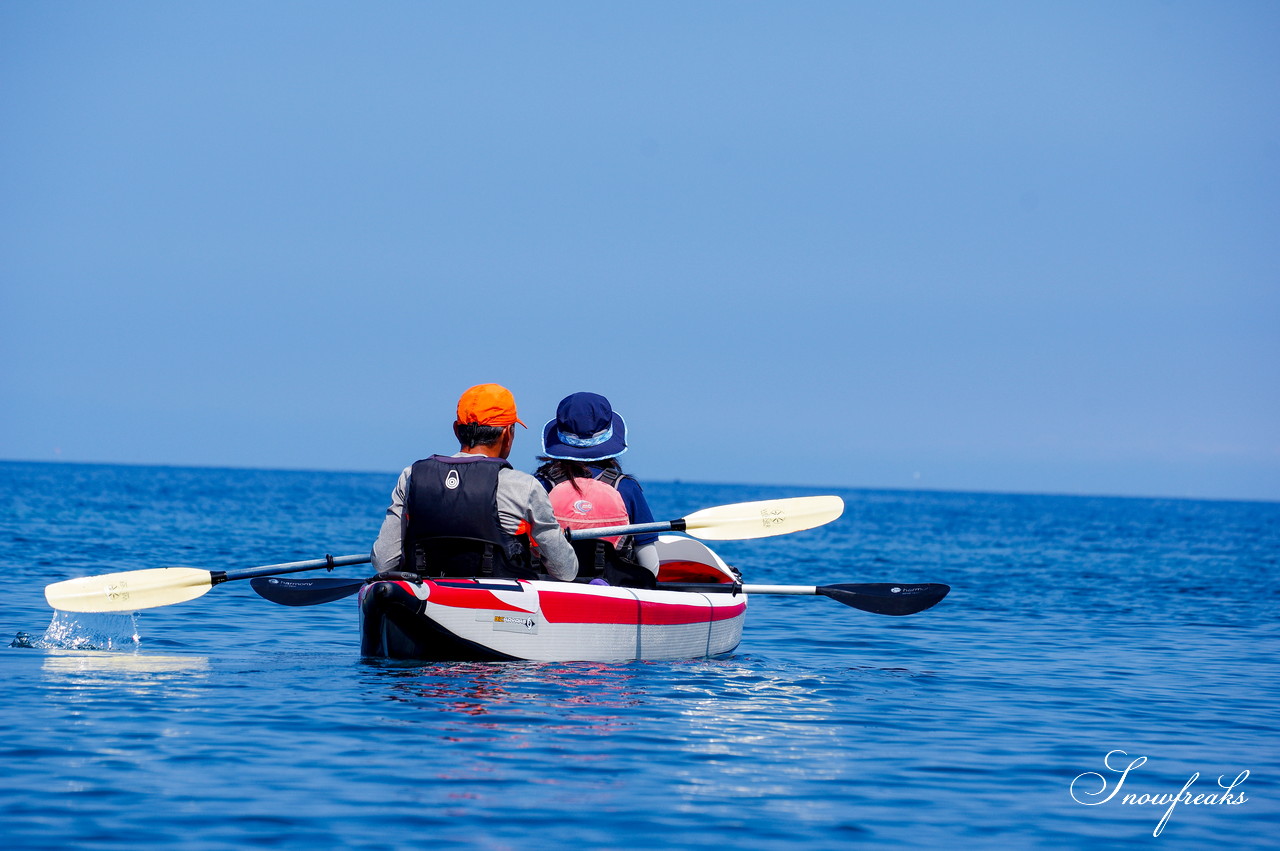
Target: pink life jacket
x=593 y=503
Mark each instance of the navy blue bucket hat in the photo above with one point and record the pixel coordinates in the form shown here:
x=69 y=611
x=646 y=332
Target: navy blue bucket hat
x=586 y=428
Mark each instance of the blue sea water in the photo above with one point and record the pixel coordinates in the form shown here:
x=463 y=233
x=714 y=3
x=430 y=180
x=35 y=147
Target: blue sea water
x=1077 y=627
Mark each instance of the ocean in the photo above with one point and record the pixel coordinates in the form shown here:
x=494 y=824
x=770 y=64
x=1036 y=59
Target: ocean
x=1102 y=675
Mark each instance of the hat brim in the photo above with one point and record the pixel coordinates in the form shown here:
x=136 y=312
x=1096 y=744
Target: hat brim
x=554 y=447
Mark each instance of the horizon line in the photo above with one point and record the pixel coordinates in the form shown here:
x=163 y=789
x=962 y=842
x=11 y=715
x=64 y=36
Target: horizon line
x=856 y=488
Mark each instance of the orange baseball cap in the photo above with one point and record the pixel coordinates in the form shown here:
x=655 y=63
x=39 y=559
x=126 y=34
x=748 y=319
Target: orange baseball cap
x=488 y=404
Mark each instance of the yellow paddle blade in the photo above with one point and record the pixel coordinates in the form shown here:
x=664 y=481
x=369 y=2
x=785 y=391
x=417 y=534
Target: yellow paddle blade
x=764 y=519
x=129 y=591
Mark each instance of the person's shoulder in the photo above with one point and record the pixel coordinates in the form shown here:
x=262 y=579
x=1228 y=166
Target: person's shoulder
x=512 y=476
x=628 y=481
x=521 y=487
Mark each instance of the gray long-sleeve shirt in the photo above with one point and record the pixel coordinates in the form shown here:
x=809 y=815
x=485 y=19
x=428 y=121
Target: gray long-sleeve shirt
x=521 y=499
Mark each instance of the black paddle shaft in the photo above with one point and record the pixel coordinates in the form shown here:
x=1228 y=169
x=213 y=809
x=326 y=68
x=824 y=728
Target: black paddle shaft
x=327 y=563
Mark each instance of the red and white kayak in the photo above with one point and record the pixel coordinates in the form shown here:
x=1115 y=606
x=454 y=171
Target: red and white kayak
x=506 y=619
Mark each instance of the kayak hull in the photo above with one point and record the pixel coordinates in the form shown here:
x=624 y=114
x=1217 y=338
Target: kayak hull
x=467 y=619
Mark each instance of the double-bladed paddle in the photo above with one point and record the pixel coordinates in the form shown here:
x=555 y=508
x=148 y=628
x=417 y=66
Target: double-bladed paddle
x=163 y=586
x=881 y=598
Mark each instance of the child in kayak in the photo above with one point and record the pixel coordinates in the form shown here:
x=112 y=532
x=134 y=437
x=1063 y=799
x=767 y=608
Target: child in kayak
x=588 y=489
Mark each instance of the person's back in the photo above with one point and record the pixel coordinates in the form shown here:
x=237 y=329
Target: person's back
x=471 y=514
x=451 y=522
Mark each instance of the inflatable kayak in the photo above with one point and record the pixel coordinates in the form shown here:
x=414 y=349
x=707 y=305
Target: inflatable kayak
x=509 y=619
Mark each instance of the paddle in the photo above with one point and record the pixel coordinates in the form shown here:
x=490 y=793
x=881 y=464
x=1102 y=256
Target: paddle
x=881 y=598
x=738 y=522
x=163 y=586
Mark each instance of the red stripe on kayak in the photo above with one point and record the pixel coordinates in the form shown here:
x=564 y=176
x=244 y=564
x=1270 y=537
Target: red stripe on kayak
x=470 y=598
x=558 y=607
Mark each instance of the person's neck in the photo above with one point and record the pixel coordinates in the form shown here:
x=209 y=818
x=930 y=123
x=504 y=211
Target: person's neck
x=492 y=450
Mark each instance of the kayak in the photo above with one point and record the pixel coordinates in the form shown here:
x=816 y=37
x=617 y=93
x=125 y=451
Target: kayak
x=474 y=620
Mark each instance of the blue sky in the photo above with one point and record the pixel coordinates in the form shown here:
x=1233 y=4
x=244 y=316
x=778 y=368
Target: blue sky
x=977 y=246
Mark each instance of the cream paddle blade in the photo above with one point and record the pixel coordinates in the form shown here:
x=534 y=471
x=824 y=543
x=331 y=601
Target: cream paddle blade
x=129 y=591
x=745 y=520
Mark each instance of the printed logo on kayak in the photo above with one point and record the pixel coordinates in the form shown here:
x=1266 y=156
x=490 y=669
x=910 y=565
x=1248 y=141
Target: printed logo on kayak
x=523 y=624
x=1093 y=789
x=772 y=517
x=452 y=480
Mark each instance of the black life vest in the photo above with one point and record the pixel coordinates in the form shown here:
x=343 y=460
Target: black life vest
x=450 y=525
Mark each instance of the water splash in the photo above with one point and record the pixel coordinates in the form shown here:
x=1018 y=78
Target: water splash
x=80 y=631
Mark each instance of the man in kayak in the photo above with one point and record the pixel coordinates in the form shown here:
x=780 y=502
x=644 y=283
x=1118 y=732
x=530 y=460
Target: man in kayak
x=471 y=514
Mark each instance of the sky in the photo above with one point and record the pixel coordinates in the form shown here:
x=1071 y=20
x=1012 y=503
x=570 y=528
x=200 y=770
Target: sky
x=993 y=246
